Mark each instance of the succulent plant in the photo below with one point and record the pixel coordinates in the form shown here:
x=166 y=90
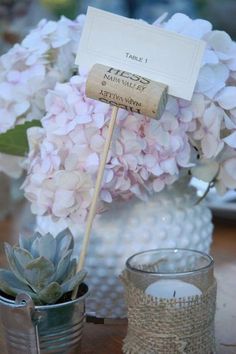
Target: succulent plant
x=42 y=267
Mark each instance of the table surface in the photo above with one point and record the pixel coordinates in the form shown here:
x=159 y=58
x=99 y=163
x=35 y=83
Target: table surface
x=107 y=338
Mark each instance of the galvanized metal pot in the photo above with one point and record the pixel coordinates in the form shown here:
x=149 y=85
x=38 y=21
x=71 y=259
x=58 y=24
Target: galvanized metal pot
x=29 y=329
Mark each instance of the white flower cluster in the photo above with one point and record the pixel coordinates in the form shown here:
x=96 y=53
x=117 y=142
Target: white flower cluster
x=211 y=115
x=46 y=56
x=144 y=157
x=146 y=154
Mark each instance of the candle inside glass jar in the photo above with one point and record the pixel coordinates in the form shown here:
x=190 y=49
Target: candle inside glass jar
x=172 y=288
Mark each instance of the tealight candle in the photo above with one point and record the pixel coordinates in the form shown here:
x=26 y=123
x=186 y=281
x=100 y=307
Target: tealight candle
x=173 y=288
x=179 y=314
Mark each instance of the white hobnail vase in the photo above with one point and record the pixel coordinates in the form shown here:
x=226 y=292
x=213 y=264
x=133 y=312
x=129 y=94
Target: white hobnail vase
x=168 y=219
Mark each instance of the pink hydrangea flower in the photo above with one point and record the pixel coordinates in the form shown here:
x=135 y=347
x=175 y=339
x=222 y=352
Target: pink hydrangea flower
x=146 y=155
x=46 y=56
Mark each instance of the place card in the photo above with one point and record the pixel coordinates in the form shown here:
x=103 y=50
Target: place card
x=142 y=49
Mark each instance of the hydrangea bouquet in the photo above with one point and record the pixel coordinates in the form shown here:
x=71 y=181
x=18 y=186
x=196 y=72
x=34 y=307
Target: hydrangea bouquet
x=39 y=82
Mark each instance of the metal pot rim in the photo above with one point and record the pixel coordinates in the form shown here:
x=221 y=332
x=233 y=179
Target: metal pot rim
x=12 y=303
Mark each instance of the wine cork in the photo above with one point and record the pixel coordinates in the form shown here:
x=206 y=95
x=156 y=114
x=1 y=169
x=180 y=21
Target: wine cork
x=131 y=92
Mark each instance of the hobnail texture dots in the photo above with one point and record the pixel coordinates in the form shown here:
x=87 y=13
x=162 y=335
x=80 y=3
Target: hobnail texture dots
x=169 y=219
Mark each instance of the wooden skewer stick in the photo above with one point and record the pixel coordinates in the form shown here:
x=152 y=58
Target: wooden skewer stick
x=124 y=90
x=93 y=205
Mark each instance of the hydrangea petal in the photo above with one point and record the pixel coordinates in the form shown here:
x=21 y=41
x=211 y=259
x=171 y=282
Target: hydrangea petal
x=231 y=140
x=227 y=98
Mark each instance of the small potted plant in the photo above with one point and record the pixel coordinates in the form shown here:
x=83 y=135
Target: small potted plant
x=37 y=311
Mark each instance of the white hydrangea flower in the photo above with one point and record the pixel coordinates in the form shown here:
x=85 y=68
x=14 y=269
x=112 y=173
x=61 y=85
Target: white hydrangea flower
x=46 y=56
x=146 y=155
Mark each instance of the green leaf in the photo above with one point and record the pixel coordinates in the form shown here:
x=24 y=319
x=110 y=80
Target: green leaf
x=77 y=279
x=39 y=272
x=11 y=285
x=13 y=263
x=51 y=293
x=47 y=247
x=71 y=270
x=23 y=256
x=34 y=250
x=14 y=141
x=26 y=241
x=65 y=242
x=63 y=266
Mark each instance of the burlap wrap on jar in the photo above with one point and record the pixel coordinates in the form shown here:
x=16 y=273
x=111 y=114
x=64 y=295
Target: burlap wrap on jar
x=175 y=326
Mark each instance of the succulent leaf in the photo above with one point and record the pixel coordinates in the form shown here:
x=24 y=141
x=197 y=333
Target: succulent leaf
x=14 y=265
x=65 y=242
x=23 y=256
x=34 y=250
x=39 y=272
x=41 y=266
x=71 y=270
x=47 y=247
x=70 y=284
x=11 y=285
x=63 y=266
x=51 y=294
x=26 y=242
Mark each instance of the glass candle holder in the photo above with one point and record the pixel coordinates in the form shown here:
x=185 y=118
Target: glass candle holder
x=171 y=299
